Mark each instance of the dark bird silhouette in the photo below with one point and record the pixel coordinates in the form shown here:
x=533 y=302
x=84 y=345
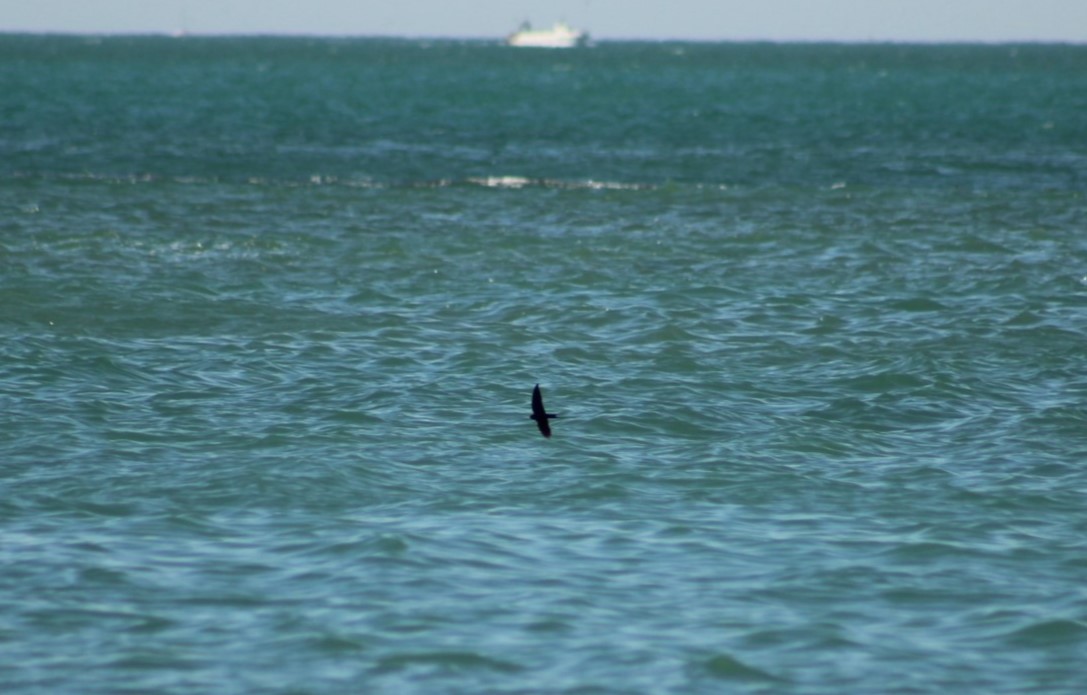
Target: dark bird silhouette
x=540 y=415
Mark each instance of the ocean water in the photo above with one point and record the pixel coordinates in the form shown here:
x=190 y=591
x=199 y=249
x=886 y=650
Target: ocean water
x=814 y=318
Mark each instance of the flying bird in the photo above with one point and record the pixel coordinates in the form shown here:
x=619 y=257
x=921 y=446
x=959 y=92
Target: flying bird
x=540 y=415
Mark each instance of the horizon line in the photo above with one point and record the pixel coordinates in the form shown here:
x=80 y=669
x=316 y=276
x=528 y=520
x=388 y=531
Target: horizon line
x=184 y=33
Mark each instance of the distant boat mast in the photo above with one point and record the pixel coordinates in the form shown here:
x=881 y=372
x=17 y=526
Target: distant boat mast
x=183 y=24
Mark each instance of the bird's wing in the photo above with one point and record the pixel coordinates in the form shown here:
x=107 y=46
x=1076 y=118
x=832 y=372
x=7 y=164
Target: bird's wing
x=537 y=404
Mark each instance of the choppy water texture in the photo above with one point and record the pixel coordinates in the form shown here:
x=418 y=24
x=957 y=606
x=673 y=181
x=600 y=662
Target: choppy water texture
x=271 y=311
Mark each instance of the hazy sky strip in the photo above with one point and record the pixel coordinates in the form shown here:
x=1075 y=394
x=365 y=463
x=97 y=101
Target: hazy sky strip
x=776 y=20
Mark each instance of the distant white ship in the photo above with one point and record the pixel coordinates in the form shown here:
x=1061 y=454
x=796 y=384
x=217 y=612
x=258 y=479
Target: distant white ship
x=559 y=36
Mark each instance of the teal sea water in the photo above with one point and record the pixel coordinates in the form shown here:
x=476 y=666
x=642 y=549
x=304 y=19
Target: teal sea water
x=271 y=311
